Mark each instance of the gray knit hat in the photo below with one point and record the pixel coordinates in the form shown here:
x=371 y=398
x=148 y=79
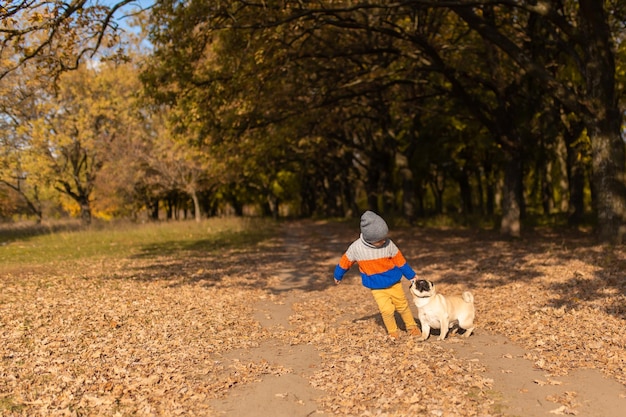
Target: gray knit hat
x=373 y=227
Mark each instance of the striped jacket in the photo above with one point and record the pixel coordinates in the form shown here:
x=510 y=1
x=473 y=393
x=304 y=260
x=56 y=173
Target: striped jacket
x=379 y=267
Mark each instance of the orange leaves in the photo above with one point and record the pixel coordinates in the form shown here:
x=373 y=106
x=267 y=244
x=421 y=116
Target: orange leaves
x=168 y=335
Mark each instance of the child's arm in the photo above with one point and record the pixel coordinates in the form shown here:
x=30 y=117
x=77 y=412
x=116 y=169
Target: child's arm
x=404 y=266
x=342 y=267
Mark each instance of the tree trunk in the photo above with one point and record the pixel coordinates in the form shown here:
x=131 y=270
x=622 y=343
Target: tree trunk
x=272 y=205
x=575 y=176
x=196 y=205
x=169 y=207
x=604 y=124
x=608 y=182
x=547 y=192
x=154 y=212
x=85 y=212
x=510 y=225
x=437 y=186
x=563 y=181
x=490 y=188
x=467 y=207
x=408 y=187
x=237 y=206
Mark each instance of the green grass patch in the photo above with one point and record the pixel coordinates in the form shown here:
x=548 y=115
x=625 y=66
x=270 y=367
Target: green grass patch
x=115 y=240
x=8 y=404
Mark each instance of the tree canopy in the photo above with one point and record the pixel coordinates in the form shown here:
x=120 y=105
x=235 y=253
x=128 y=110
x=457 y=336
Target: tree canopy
x=498 y=109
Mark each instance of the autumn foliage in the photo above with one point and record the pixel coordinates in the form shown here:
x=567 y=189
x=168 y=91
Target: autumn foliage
x=145 y=331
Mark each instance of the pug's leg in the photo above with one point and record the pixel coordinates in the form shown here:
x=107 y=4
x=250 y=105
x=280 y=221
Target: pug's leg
x=444 y=322
x=468 y=331
x=468 y=324
x=425 y=331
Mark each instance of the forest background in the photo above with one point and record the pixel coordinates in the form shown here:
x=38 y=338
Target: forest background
x=487 y=112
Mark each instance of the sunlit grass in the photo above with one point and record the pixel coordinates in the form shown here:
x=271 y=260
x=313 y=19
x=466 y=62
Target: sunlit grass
x=25 y=246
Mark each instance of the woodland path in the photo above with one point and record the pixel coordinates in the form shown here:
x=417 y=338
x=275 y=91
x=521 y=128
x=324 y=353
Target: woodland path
x=513 y=379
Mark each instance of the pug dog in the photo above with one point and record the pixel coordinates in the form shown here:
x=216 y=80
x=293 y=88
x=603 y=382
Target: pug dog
x=439 y=312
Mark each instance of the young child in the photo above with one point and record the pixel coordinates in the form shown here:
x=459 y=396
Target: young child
x=382 y=266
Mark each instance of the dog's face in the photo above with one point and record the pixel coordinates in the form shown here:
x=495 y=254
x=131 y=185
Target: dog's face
x=422 y=288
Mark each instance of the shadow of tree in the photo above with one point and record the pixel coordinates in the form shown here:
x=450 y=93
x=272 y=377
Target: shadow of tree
x=303 y=254
x=10 y=232
x=482 y=259
x=578 y=289
x=293 y=258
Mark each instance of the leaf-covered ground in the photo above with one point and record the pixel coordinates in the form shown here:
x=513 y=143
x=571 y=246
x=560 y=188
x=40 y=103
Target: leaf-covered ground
x=146 y=335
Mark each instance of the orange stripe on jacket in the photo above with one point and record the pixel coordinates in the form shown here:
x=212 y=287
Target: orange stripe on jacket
x=374 y=266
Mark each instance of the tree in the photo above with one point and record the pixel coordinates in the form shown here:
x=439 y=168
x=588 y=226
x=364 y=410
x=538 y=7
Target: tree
x=172 y=163
x=77 y=128
x=19 y=94
x=586 y=38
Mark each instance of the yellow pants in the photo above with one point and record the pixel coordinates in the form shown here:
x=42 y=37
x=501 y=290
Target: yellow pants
x=389 y=301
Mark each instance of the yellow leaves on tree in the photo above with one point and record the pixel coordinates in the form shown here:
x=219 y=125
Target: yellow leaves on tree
x=74 y=132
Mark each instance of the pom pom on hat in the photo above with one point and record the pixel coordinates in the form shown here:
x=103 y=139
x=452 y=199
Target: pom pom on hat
x=373 y=227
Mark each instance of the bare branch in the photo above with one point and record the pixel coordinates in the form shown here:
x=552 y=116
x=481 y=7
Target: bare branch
x=53 y=33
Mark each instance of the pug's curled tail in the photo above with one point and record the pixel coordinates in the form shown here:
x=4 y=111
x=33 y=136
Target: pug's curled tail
x=468 y=297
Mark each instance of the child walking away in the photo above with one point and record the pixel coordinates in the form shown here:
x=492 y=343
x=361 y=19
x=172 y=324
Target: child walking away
x=382 y=266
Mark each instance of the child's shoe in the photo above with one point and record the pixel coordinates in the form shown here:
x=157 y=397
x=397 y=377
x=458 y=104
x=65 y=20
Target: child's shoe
x=414 y=331
x=394 y=335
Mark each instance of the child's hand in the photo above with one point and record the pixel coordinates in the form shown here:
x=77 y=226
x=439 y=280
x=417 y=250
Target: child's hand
x=337 y=281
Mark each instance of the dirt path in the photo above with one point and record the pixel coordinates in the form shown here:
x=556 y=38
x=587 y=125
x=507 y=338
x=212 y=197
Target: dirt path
x=511 y=379
x=287 y=395
x=290 y=394
x=523 y=390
